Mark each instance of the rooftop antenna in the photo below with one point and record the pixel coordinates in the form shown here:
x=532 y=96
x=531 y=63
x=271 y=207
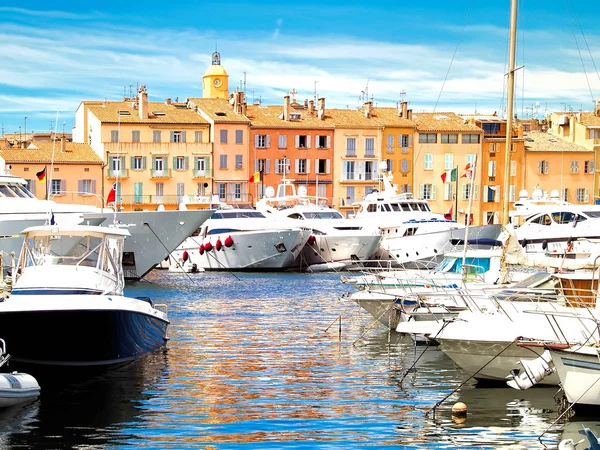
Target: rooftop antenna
x=402 y=95
x=130 y=90
x=293 y=93
x=244 y=81
x=364 y=95
x=64 y=123
x=124 y=91
x=315 y=93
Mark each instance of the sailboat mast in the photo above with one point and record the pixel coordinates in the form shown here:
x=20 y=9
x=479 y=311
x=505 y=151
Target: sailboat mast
x=509 y=107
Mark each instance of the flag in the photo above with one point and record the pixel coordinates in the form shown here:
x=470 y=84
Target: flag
x=468 y=171
x=450 y=175
x=448 y=215
x=41 y=175
x=112 y=194
x=255 y=178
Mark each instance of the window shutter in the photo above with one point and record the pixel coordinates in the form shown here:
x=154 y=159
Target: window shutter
x=172 y=136
x=79 y=186
x=587 y=195
x=546 y=168
x=297 y=141
x=186 y=163
x=268 y=139
x=485 y=193
x=497 y=195
x=308 y=166
x=447 y=191
x=277 y=166
x=475 y=192
x=268 y=165
x=256 y=165
x=256 y=141
x=433 y=192
x=132 y=162
x=207 y=164
x=93 y=186
x=463 y=191
x=174 y=162
x=183 y=136
x=307 y=141
x=122 y=163
x=421 y=191
x=143 y=162
x=592 y=166
x=410 y=140
x=328 y=144
x=166 y=163
x=327 y=166
x=195 y=163
x=540 y=168
x=297 y=165
x=63 y=186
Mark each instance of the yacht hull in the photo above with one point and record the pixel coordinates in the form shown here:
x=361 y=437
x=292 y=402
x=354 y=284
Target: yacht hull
x=96 y=334
x=335 y=248
x=578 y=374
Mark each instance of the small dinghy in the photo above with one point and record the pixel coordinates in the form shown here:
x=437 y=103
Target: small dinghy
x=15 y=387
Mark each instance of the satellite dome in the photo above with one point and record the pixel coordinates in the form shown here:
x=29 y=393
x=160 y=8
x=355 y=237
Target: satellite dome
x=270 y=192
x=302 y=190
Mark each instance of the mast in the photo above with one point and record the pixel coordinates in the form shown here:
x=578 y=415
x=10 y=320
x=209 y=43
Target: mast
x=509 y=107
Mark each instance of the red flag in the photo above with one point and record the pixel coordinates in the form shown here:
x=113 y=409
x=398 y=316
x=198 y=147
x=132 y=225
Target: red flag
x=448 y=215
x=468 y=175
x=112 y=194
x=468 y=166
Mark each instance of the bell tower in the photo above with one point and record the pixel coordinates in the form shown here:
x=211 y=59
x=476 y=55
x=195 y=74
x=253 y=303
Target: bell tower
x=215 y=81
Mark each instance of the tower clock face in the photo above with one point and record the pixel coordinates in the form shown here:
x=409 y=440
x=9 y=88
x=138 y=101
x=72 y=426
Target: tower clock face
x=217 y=82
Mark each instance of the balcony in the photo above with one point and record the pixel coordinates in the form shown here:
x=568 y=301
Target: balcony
x=353 y=176
x=158 y=174
x=114 y=174
x=148 y=148
x=200 y=173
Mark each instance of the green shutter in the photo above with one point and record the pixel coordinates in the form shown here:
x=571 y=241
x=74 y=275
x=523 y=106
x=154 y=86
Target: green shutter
x=122 y=163
x=172 y=136
x=132 y=162
x=174 y=162
x=186 y=163
x=183 y=136
x=144 y=162
x=166 y=164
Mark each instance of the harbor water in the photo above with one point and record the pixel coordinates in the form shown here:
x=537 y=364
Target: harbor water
x=261 y=360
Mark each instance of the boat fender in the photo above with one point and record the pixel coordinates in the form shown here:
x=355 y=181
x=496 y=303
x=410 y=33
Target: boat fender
x=544 y=245
x=185 y=256
x=218 y=245
x=524 y=243
x=311 y=240
x=228 y=241
x=201 y=249
x=208 y=246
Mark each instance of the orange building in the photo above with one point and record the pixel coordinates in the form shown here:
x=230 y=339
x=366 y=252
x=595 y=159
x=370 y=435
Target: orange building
x=73 y=171
x=295 y=141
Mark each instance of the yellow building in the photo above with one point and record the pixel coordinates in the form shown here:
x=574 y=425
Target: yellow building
x=73 y=171
x=151 y=149
x=555 y=164
x=445 y=141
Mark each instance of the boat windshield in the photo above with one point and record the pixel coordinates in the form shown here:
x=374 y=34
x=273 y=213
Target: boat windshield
x=237 y=215
x=14 y=190
x=323 y=215
x=590 y=214
x=563 y=217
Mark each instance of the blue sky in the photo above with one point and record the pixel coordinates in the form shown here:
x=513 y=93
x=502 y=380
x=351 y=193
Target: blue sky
x=54 y=58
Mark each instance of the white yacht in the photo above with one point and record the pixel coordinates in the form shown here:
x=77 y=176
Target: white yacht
x=154 y=234
x=67 y=308
x=411 y=232
x=334 y=239
x=243 y=239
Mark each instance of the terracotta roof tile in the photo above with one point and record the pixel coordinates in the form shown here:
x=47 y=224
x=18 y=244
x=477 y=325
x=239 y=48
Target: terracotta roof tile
x=158 y=112
x=269 y=117
x=536 y=141
x=74 y=154
x=218 y=109
x=443 y=121
x=589 y=119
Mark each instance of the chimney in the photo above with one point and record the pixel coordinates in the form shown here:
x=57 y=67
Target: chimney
x=311 y=106
x=286 y=107
x=403 y=108
x=597 y=110
x=244 y=105
x=62 y=143
x=143 y=102
x=168 y=101
x=305 y=103
x=321 y=108
x=409 y=114
x=368 y=108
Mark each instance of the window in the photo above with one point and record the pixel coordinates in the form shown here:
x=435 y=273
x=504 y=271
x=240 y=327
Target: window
x=574 y=166
x=470 y=138
x=200 y=165
x=222 y=190
x=492 y=194
x=564 y=194
x=513 y=168
x=389 y=164
x=405 y=141
x=262 y=165
x=466 y=191
x=351 y=146
x=404 y=165
x=239 y=136
x=491 y=168
x=58 y=187
x=222 y=161
x=350 y=193
x=282 y=165
x=447 y=191
x=302 y=165
x=543 y=167
x=114 y=136
x=449 y=138
x=262 y=141
x=303 y=141
x=223 y=136
x=179 y=163
x=137 y=192
x=322 y=166
x=370 y=170
x=135 y=136
x=511 y=193
x=177 y=136
x=238 y=161
x=85 y=187
x=390 y=143
x=594 y=134
x=369 y=146
x=427 y=138
x=159 y=164
x=428 y=161
x=589 y=167
x=427 y=192
x=237 y=191
x=348 y=170
x=197 y=136
x=470 y=158
x=490 y=128
x=493 y=148
x=448 y=161
x=323 y=141
x=582 y=195
x=156 y=136
x=404 y=188
x=137 y=163
x=282 y=141
x=160 y=192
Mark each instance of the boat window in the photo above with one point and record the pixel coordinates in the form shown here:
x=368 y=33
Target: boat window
x=22 y=192
x=410 y=231
x=4 y=190
x=296 y=216
x=405 y=206
x=546 y=220
x=223 y=231
x=427 y=208
x=395 y=207
x=422 y=206
x=323 y=215
x=446 y=265
x=237 y=215
x=386 y=207
x=563 y=217
x=372 y=207
x=476 y=265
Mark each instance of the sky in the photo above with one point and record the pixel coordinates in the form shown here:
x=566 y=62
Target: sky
x=437 y=55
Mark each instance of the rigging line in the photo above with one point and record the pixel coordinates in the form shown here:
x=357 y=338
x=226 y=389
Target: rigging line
x=579 y=51
x=584 y=39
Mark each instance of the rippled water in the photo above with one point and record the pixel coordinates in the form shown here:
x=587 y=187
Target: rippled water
x=258 y=361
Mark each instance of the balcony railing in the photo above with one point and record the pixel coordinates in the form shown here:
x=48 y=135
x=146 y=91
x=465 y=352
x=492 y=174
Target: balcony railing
x=201 y=173
x=165 y=173
x=353 y=176
x=122 y=173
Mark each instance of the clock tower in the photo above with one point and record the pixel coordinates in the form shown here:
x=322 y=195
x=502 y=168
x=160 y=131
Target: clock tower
x=215 y=80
